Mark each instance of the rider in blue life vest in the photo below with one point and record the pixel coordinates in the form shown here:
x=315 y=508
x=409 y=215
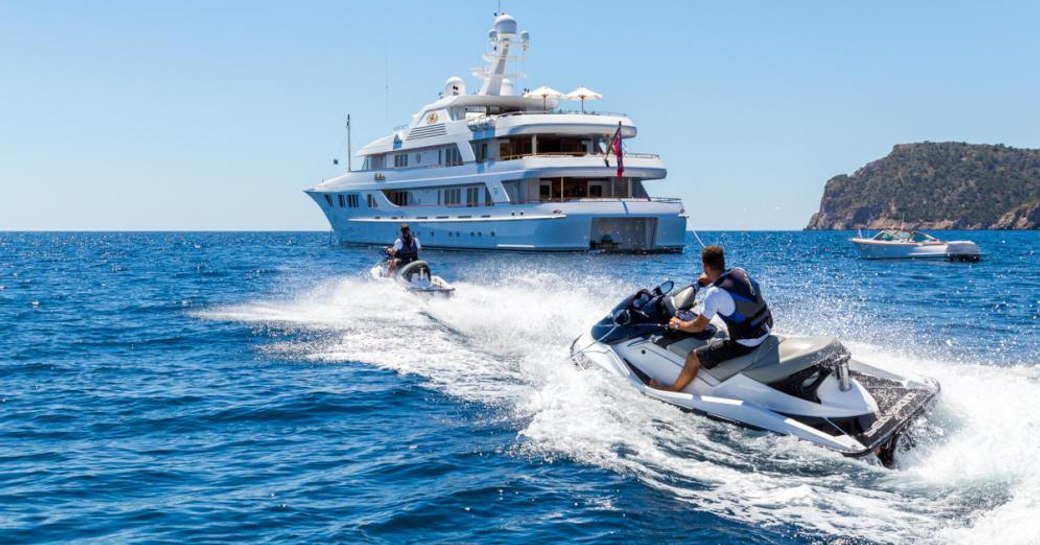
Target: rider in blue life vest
x=405 y=249
x=737 y=299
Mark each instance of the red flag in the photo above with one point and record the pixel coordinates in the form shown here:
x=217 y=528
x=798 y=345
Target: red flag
x=618 y=152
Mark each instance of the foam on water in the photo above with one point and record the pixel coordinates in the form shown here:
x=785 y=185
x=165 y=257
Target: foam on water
x=973 y=476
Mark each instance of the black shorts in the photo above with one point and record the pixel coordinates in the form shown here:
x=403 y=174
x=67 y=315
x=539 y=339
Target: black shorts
x=718 y=351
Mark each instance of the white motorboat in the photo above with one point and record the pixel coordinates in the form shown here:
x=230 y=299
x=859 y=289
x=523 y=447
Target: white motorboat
x=907 y=244
x=808 y=387
x=414 y=277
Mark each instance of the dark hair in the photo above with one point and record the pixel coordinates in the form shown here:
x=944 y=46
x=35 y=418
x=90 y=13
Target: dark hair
x=713 y=257
x=404 y=227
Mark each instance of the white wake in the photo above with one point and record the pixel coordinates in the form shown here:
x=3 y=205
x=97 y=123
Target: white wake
x=972 y=479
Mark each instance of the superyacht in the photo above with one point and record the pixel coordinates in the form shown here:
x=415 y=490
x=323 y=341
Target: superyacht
x=498 y=170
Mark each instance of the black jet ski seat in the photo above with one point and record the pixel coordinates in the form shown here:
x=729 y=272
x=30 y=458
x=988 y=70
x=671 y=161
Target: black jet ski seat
x=414 y=269
x=682 y=300
x=775 y=359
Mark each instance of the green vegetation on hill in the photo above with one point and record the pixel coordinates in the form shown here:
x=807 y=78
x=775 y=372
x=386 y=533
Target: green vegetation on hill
x=948 y=185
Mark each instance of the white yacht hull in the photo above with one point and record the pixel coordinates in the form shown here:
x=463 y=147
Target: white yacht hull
x=632 y=225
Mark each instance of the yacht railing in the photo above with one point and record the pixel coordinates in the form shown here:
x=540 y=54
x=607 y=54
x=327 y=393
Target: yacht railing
x=493 y=204
x=561 y=112
x=574 y=154
x=381 y=174
x=484 y=121
x=671 y=200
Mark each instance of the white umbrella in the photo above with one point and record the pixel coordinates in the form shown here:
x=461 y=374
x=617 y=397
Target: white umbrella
x=583 y=94
x=544 y=92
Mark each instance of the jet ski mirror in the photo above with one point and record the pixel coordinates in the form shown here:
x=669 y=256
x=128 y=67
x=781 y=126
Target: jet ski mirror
x=623 y=318
x=665 y=287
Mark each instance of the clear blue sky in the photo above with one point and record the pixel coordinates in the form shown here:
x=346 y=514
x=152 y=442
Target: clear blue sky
x=216 y=115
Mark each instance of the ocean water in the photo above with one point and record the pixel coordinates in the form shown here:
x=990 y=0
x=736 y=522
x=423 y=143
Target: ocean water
x=259 y=388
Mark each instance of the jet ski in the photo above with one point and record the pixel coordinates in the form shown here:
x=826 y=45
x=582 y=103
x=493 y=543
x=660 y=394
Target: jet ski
x=808 y=387
x=414 y=277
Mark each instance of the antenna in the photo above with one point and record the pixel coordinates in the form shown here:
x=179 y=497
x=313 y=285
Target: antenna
x=350 y=154
x=386 y=73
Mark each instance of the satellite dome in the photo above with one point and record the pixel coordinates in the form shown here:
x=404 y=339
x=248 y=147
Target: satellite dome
x=505 y=24
x=454 y=87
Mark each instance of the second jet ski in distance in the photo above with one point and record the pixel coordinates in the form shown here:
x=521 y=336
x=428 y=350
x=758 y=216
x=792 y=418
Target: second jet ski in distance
x=415 y=277
x=808 y=387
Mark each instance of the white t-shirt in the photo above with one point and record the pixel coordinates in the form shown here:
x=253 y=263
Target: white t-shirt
x=398 y=245
x=719 y=301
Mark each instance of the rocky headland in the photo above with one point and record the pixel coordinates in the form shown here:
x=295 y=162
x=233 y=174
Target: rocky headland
x=945 y=185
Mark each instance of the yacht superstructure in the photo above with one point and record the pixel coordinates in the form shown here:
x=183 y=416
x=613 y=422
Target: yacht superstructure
x=494 y=170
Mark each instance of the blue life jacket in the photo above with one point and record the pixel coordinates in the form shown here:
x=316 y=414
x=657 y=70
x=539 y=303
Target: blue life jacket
x=409 y=251
x=751 y=317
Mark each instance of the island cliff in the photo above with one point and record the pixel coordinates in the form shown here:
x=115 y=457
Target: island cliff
x=947 y=185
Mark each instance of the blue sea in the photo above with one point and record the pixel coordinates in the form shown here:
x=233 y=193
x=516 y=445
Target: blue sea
x=260 y=388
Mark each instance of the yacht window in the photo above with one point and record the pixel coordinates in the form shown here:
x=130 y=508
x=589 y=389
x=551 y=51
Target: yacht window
x=372 y=202
x=400 y=160
x=452 y=156
x=453 y=197
x=487 y=197
x=342 y=200
x=480 y=150
x=638 y=191
x=472 y=196
x=513 y=189
x=545 y=191
x=399 y=198
x=328 y=199
x=352 y=200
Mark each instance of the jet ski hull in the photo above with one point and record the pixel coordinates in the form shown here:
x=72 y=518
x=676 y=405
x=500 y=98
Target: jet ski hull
x=863 y=421
x=426 y=284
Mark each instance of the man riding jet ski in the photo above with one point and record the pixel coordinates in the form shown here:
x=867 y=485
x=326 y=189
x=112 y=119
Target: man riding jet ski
x=737 y=299
x=808 y=387
x=402 y=263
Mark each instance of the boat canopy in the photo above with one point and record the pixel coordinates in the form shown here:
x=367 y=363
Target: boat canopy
x=903 y=235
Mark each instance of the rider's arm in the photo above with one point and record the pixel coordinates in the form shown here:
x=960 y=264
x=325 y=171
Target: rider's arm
x=695 y=325
x=708 y=309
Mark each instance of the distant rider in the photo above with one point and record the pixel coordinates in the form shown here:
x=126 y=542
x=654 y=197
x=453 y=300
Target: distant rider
x=405 y=249
x=737 y=299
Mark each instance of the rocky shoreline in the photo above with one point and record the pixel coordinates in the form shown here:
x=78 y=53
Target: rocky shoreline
x=945 y=185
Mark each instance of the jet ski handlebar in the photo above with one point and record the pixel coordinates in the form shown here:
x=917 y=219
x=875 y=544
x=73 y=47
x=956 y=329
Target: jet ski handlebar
x=642 y=304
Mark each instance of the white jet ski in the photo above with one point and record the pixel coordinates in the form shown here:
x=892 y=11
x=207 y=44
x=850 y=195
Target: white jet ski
x=808 y=387
x=414 y=277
